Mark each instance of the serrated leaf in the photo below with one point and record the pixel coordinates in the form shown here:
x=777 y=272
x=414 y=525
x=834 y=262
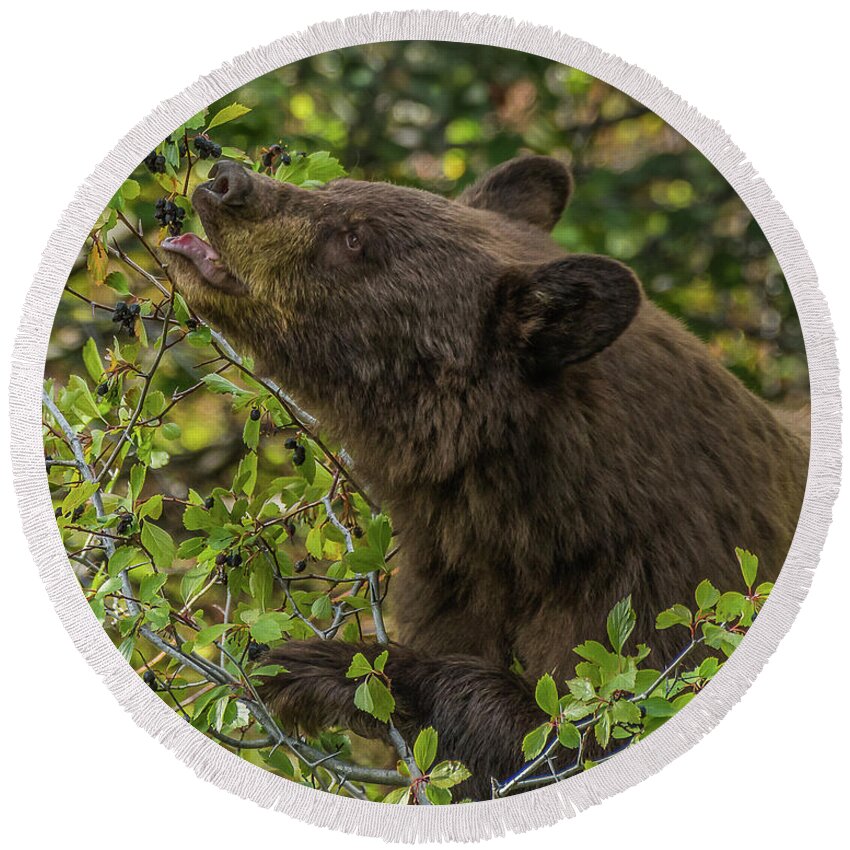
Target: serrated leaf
x=159 y=543
x=447 y=774
x=534 y=742
x=546 y=695
x=425 y=748
x=124 y=557
x=730 y=606
x=91 y=359
x=568 y=735
x=620 y=623
x=678 y=615
x=150 y=586
x=210 y=634
x=359 y=666
x=602 y=729
x=97 y=263
x=706 y=595
x=229 y=113
x=749 y=564
x=251 y=433
x=581 y=688
x=657 y=707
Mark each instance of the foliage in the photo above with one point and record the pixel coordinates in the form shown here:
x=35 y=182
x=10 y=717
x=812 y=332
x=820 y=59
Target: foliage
x=274 y=538
x=614 y=701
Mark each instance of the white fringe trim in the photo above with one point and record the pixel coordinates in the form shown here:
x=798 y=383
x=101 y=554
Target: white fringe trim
x=436 y=823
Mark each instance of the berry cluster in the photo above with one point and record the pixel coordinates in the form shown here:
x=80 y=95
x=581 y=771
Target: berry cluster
x=206 y=147
x=255 y=650
x=169 y=215
x=126 y=316
x=299 y=453
x=272 y=153
x=232 y=559
x=155 y=163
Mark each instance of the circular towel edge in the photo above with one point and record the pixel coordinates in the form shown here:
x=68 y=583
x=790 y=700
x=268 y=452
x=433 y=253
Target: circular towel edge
x=468 y=822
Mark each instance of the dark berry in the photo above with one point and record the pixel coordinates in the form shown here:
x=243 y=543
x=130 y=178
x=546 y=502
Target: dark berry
x=103 y=388
x=290 y=443
x=169 y=215
x=155 y=163
x=125 y=524
x=299 y=455
x=191 y=323
x=150 y=679
x=357 y=531
x=255 y=650
x=235 y=559
x=209 y=502
x=255 y=414
x=57 y=513
x=221 y=559
x=286 y=159
x=78 y=512
x=300 y=566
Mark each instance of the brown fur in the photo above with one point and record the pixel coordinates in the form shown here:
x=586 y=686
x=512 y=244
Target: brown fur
x=547 y=439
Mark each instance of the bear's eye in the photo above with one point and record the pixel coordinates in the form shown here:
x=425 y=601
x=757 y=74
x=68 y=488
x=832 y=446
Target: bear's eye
x=352 y=240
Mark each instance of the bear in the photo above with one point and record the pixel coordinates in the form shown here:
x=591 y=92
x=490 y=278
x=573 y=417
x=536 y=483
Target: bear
x=545 y=438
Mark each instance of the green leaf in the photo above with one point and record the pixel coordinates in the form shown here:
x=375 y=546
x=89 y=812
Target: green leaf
x=602 y=729
x=706 y=595
x=719 y=638
x=150 y=586
x=749 y=565
x=218 y=384
x=261 y=582
x=124 y=557
x=546 y=695
x=151 y=508
x=363 y=698
x=425 y=748
x=91 y=359
x=359 y=666
x=620 y=624
x=137 y=480
x=251 y=433
x=117 y=281
x=210 y=634
x=534 y=742
x=437 y=795
x=678 y=615
x=593 y=651
x=229 y=113
x=383 y=704
x=379 y=534
x=568 y=735
x=657 y=707
x=270 y=626
x=398 y=796
x=730 y=606
x=381 y=661
x=159 y=543
x=321 y=608
x=581 y=688
x=314 y=544
x=447 y=774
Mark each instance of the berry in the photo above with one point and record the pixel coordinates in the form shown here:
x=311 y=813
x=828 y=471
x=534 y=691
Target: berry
x=191 y=323
x=126 y=316
x=235 y=559
x=57 y=513
x=357 y=531
x=286 y=159
x=255 y=650
x=169 y=215
x=300 y=566
x=209 y=502
x=125 y=524
x=150 y=679
x=78 y=512
x=103 y=388
x=255 y=414
x=206 y=148
x=290 y=443
x=221 y=559
x=299 y=455
x=155 y=163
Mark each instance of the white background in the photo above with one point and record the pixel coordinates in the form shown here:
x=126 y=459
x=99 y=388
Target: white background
x=76 y=76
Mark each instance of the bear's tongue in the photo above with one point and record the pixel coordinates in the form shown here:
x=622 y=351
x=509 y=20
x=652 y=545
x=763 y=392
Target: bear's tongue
x=206 y=260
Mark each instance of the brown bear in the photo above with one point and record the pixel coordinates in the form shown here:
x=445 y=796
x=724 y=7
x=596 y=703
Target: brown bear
x=546 y=439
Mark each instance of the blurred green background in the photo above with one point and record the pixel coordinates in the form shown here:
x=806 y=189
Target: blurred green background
x=438 y=115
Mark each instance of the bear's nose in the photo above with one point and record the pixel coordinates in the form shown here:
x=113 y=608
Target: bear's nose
x=229 y=182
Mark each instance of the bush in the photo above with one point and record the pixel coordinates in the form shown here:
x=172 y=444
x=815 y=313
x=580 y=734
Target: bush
x=281 y=542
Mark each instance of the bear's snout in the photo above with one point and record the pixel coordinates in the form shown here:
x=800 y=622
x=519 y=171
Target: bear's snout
x=229 y=184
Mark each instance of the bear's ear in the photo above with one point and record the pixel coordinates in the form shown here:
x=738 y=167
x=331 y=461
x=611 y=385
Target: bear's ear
x=566 y=311
x=532 y=188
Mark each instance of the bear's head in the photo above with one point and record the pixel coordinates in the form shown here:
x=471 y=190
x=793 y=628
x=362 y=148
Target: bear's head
x=357 y=286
